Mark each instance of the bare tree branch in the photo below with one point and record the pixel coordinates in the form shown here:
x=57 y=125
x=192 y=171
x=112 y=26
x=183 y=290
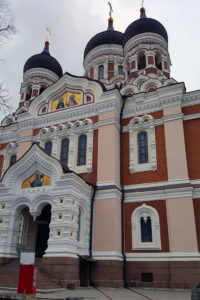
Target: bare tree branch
x=7 y=30
x=4 y=99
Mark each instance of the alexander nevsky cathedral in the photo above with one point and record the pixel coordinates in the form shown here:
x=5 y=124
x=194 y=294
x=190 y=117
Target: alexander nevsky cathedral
x=100 y=173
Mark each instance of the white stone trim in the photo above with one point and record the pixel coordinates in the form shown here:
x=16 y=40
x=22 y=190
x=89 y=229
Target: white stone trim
x=163 y=256
x=107 y=255
x=145 y=211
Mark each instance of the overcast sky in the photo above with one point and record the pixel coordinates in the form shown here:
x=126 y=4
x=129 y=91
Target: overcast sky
x=74 y=22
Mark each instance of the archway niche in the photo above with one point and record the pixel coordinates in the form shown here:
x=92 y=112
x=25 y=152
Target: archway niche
x=26 y=233
x=32 y=236
x=42 y=235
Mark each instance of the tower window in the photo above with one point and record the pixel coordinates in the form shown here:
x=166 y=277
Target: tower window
x=146 y=229
x=100 y=72
x=158 y=61
x=48 y=147
x=141 y=61
x=13 y=160
x=142 y=147
x=120 y=70
x=64 y=151
x=82 y=147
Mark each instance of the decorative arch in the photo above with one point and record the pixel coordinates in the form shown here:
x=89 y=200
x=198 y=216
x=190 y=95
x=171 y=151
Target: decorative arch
x=34 y=160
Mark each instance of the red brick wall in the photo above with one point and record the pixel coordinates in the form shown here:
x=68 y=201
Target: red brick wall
x=191 y=109
x=133 y=64
x=150 y=60
x=151 y=70
x=192 y=143
x=160 y=206
x=110 y=70
x=1 y=163
x=148 y=176
x=92 y=73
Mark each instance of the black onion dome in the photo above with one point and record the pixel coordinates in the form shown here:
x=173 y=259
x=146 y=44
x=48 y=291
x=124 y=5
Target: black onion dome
x=144 y=25
x=110 y=36
x=44 y=60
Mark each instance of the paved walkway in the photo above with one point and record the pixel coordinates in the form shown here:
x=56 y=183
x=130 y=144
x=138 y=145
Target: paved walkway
x=108 y=294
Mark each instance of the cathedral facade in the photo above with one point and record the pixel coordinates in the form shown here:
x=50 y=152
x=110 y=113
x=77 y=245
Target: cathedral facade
x=100 y=174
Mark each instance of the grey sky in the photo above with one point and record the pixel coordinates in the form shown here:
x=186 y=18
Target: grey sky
x=74 y=22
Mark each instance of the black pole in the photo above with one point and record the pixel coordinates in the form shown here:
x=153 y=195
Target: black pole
x=91 y=282
x=123 y=194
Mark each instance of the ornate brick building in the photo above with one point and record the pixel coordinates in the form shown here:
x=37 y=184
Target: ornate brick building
x=100 y=174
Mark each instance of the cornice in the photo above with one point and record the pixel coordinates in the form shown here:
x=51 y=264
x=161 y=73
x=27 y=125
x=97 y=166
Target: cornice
x=191 y=98
x=142 y=103
x=145 y=38
x=40 y=72
x=102 y=50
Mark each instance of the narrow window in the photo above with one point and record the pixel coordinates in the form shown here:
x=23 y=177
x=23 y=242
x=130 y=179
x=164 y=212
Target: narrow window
x=13 y=160
x=141 y=61
x=158 y=61
x=82 y=147
x=64 y=151
x=142 y=147
x=146 y=229
x=100 y=72
x=120 y=70
x=48 y=147
x=79 y=225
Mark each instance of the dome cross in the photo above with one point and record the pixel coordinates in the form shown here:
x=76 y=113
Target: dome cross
x=111 y=9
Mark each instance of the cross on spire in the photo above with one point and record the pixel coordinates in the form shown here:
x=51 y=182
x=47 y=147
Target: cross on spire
x=111 y=9
x=48 y=33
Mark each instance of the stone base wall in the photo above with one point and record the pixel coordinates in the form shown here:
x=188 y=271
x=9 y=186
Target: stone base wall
x=63 y=270
x=108 y=273
x=182 y=275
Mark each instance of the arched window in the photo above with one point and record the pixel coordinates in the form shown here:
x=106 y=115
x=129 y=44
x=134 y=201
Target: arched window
x=13 y=160
x=141 y=61
x=146 y=229
x=142 y=147
x=120 y=70
x=79 y=221
x=48 y=147
x=100 y=72
x=64 y=151
x=82 y=149
x=158 y=61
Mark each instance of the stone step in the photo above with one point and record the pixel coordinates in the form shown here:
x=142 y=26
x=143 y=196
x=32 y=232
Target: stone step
x=9 y=274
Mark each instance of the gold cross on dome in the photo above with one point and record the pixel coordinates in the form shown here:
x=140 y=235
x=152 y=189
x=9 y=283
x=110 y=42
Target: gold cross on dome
x=111 y=9
x=48 y=33
x=142 y=3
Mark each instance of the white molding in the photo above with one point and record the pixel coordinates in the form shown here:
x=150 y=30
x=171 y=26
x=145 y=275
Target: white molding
x=160 y=183
x=163 y=256
x=191 y=117
x=145 y=38
x=107 y=255
x=40 y=72
x=107 y=194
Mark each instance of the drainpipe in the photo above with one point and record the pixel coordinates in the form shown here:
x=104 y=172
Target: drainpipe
x=91 y=282
x=123 y=194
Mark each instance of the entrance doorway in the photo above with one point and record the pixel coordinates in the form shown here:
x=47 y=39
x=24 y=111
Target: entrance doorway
x=42 y=236
x=32 y=236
